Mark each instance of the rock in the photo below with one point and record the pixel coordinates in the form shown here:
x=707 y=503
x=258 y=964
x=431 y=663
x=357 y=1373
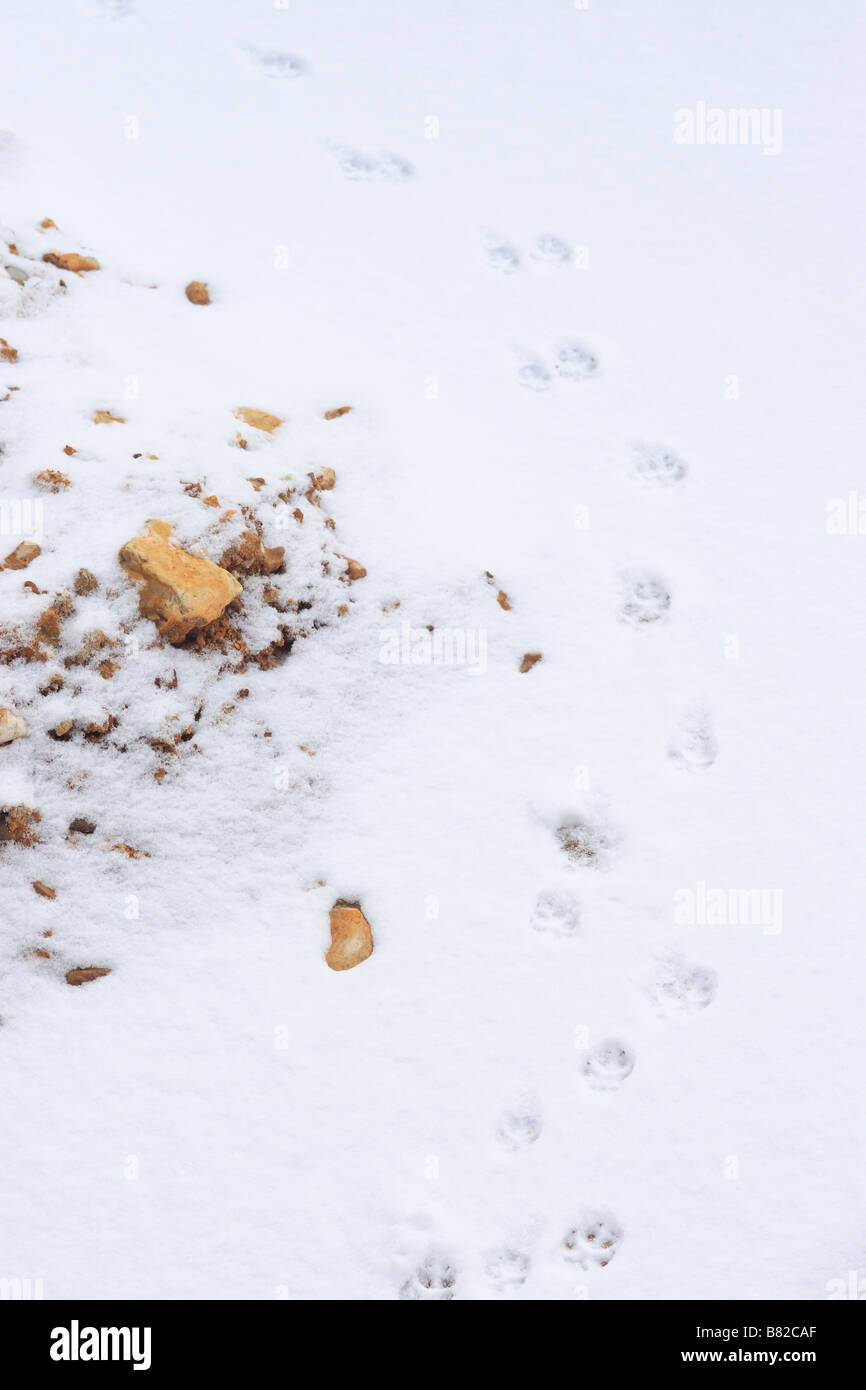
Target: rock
x=336 y=413
x=51 y=481
x=43 y=890
x=70 y=260
x=105 y=417
x=85 y=582
x=354 y=570
x=180 y=592
x=46 y=223
x=84 y=974
x=16 y=273
x=197 y=293
x=48 y=626
x=12 y=726
x=323 y=479
x=16 y=825
x=62 y=730
x=351 y=937
x=21 y=556
x=7 y=353
x=80 y=826
x=530 y=659
x=258 y=419
x=69 y=451
x=248 y=556
x=502 y=600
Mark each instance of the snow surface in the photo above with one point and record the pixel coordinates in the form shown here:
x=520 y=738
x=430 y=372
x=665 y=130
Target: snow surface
x=473 y=224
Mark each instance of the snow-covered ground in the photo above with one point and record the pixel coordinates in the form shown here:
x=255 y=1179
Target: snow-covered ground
x=610 y=369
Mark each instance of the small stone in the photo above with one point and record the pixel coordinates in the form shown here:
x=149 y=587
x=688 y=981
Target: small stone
x=337 y=412
x=197 y=292
x=249 y=556
x=48 y=626
x=85 y=582
x=51 y=481
x=502 y=600
x=21 y=556
x=258 y=483
x=43 y=890
x=83 y=975
x=351 y=936
x=69 y=451
x=12 y=726
x=354 y=570
x=16 y=825
x=7 y=353
x=105 y=417
x=80 y=826
x=18 y=274
x=530 y=659
x=180 y=592
x=211 y=501
x=258 y=419
x=323 y=479
x=70 y=260
x=62 y=730
x=46 y=223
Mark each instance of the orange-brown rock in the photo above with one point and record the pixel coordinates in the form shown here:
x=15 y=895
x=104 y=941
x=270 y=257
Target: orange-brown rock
x=47 y=222
x=12 y=726
x=51 y=481
x=180 y=592
x=16 y=825
x=85 y=582
x=351 y=936
x=105 y=417
x=197 y=292
x=530 y=659
x=43 y=890
x=7 y=353
x=337 y=412
x=258 y=419
x=70 y=260
x=21 y=556
x=69 y=451
x=354 y=570
x=323 y=479
x=48 y=626
x=503 y=601
x=83 y=975
x=248 y=556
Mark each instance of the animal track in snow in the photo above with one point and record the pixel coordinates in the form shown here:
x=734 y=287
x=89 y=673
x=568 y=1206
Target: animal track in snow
x=575 y=361
x=607 y=1065
x=433 y=1281
x=645 y=599
x=508 y=1267
x=519 y=1128
x=360 y=165
x=272 y=63
x=653 y=463
x=681 y=987
x=693 y=746
x=586 y=843
x=115 y=9
x=535 y=375
x=556 y=913
x=501 y=255
x=552 y=249
x=593 y=1240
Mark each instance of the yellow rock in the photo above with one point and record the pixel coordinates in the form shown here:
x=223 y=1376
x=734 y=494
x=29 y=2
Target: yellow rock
x=70 y=260
x=351 y=937
x=11 y=726
x=180 y=592
x=258 y=419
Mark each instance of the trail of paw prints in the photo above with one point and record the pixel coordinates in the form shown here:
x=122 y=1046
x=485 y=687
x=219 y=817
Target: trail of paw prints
x=645 y=599
x=692 y=747
x=572 y=361
x=556 y=914
x=681 y=988
x=607 y=1065
x=520 y=1127
x=658 y=466
x=271 y=62
x=363 y=166
x=592 y=1240
x=434 y=1280
x=501 y=254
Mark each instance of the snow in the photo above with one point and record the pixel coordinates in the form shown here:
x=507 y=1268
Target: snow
x=580 y=356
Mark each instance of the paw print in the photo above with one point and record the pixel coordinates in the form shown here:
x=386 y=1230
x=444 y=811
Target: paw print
x=683 y=988
x=693 y=748
x=655 y=464
x=433 y=1281
x=592 y=1241
x=360 y=165
x=557 y=913
x=575 y=361
x=507 y=1268
x=519 y=1128
x=552 y=249
x=607 y=1065
x=586 y=843
x=535 y=376
x=645 y=600
x=272 y=63
x=501 y=255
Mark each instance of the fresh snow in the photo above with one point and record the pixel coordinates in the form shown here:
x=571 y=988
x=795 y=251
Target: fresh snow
x=616 y=372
